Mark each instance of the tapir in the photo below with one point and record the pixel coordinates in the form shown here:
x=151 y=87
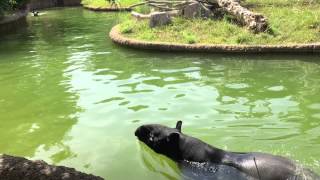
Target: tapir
x=202 y=161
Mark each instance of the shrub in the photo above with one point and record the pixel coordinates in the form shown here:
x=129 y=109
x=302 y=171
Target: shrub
x=4 y=5
x=8 y=5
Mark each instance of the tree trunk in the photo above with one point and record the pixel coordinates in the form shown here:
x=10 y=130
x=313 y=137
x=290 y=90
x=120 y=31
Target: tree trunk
x=17 y=168
x=255 y=21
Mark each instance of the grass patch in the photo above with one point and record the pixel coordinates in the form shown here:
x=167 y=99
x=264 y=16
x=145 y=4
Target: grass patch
x=106 y=4
x=127 y=27
x=280 y=2
x=189 y=37
x=291 y=21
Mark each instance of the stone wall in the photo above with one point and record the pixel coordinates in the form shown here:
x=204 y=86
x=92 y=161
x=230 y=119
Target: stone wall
x=71 y=2
x=42 y=4
x=13 y=21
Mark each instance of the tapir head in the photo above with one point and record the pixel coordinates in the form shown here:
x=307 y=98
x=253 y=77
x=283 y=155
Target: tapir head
x=161 y=139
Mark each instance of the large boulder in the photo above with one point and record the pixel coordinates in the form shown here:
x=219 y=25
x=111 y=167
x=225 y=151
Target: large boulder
x=17 y=168
x=196 y=10
x=159 y=19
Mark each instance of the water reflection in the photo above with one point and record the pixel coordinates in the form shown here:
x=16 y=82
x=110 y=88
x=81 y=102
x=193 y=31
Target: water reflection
x=37 y=108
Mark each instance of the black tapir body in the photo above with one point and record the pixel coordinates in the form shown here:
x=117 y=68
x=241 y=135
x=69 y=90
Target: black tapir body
x=203 y=161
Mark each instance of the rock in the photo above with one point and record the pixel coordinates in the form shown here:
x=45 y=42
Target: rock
x=195 y=10
x=159 y=19
x=17 y=168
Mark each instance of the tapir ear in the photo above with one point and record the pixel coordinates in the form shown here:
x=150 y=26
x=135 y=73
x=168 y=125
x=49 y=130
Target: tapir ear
x=178 y=125
x=173 y=137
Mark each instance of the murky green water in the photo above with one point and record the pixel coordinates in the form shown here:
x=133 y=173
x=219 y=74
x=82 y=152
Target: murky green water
x=68 y=95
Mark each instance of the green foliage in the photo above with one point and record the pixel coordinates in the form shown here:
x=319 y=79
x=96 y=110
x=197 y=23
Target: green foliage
x=144 y=9
x=9 y=5
x=94 y=3
x=281 y=2
x=126 y=25
x=4 y=5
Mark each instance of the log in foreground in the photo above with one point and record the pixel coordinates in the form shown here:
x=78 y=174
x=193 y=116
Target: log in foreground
x=254 y=21
x=17 y=168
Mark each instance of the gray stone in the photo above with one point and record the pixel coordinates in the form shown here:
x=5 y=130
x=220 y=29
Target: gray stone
x=195 y=10
x=159 y=19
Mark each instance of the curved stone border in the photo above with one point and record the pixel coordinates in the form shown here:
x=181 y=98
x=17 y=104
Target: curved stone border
x=107 y=9
x=11 y=21
x=118 y=38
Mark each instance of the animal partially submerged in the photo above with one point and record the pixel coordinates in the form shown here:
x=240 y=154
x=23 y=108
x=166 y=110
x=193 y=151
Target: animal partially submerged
x=213 y=163
x=35 y=13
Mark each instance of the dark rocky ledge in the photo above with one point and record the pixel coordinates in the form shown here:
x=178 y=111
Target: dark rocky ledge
x=17 y=168
x=12 y=21
x=118 y=38
x=14 y=17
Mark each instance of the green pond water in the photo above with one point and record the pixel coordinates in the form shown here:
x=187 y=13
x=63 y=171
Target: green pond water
x=69 y=96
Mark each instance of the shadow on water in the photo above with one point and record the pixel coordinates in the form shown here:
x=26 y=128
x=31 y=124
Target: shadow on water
x=158 y=164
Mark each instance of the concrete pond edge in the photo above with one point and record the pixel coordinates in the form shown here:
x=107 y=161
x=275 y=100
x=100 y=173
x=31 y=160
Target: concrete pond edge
x=107 y=9
x=120 y=39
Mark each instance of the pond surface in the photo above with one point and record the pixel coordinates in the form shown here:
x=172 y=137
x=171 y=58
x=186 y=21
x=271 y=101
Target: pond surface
x=70 y=96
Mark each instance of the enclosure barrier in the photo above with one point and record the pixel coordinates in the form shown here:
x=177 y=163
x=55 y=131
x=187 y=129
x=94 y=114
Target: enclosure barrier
x=120 y=39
